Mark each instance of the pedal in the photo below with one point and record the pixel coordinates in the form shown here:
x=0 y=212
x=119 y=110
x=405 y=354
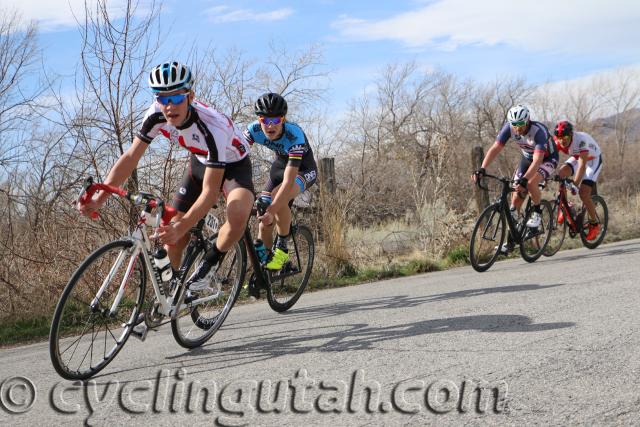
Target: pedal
x=189 y=297
x=254 y=292
x=136 y=322
x=140 y=331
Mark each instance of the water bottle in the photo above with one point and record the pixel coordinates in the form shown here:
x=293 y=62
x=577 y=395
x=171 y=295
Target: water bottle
x=161 y=259
x=261 y=250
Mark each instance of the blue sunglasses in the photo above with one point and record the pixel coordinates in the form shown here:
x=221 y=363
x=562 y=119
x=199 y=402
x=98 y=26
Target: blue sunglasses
x=270 y=120
x=174 y=99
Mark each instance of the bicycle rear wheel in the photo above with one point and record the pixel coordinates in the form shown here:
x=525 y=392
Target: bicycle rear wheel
x=287 y=284
x=534 y=240
x=558 y=232
x=204 y=312
x=487 y=237
x=602 y=214
x=85 y=336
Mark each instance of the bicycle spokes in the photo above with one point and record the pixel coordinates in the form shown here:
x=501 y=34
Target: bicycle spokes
x=288 y=283
x=89 y=327
x=534 y=239
x=201 y=313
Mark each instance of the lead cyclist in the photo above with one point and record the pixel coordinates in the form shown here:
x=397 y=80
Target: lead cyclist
x=539 y=161
x=219 y=162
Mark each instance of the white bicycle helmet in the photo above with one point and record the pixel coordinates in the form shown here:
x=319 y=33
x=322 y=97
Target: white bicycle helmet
x=519 y=113
x=170 y=76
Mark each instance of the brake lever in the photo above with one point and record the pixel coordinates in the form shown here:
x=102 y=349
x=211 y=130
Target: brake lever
x=83 y=196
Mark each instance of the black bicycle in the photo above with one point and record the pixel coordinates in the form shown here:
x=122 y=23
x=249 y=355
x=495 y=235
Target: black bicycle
x=285 y=286
x=105 y=297
x=491 y=228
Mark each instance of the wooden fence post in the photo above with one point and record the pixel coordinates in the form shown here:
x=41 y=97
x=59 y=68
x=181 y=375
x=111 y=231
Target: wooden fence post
x=328 y=174
x=482 y=196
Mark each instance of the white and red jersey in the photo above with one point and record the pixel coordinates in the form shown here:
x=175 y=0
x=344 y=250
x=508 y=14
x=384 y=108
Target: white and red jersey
x=210 y=135
x=583 y=143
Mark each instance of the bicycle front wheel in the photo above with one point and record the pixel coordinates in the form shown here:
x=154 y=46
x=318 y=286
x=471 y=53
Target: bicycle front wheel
x=287 y=284
x=558 y=232
x=534 y=239
x=487 y=237
x=88 y=329
x=202 y=313
x=602 y=215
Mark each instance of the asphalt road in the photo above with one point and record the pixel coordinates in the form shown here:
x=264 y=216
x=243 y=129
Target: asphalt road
x=554 y=342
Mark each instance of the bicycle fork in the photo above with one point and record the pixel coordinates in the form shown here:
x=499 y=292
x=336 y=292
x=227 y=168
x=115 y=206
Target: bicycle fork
x=123 y=284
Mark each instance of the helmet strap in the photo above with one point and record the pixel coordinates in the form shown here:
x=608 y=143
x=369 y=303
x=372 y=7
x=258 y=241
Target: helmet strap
x=186 y=119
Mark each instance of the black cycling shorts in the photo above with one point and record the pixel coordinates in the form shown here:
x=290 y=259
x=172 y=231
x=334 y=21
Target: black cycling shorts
x=238 y=174
x=305 y=179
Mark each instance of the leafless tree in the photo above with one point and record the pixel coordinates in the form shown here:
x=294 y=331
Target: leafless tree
x=490 y=103
x=227 y=82
x=19 y=56
x=623 y=97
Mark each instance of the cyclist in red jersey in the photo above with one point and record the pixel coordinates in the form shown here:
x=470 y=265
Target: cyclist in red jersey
x=585 y=164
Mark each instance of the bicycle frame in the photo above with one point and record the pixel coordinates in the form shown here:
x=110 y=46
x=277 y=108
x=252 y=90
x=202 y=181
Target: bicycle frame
x=141 y=245
x=573 y=221
x=515 y=229
x=266 y=279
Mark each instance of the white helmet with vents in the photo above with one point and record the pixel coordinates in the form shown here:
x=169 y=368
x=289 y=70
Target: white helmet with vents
x=170 y=76
x=518 y=114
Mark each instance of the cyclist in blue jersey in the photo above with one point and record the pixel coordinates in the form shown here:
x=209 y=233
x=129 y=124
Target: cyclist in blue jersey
x=539 y=161
x=292 y=172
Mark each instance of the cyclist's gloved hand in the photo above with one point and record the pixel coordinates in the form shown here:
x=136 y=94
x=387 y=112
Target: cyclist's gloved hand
x=263 y=202
x=523 y=182
x=573 y=188
x=478 y=175
x=89 y=208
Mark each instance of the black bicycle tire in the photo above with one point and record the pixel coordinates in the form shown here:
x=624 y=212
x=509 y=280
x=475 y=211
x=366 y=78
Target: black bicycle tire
x=271 y=299
x=54 y=334
x=237 y=288
x=503 y=227
x=549 y=250
x=605 y=224
x=525 y=256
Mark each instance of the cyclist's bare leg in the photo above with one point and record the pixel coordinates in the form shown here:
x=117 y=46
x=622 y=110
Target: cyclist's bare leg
x=585 y=196
x=565 y=171
x=239 y=203
x=517 y=199
x=283 y=216
x=265 y=233
x=534 y=190
x=175 y=251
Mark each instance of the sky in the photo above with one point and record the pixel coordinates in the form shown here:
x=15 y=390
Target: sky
x=543 y=41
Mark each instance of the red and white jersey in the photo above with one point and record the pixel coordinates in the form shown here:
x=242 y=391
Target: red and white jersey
x=210 y=135
x=583 y=143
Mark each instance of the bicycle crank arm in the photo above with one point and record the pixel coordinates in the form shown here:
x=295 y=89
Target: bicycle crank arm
x=285 y=275
x=196 y=302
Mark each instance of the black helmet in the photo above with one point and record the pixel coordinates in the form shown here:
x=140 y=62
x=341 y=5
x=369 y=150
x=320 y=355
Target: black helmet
x=271 y=105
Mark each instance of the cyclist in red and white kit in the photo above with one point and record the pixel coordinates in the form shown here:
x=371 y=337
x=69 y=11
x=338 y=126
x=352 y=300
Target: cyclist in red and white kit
x=219 y=162
x=585 y=164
